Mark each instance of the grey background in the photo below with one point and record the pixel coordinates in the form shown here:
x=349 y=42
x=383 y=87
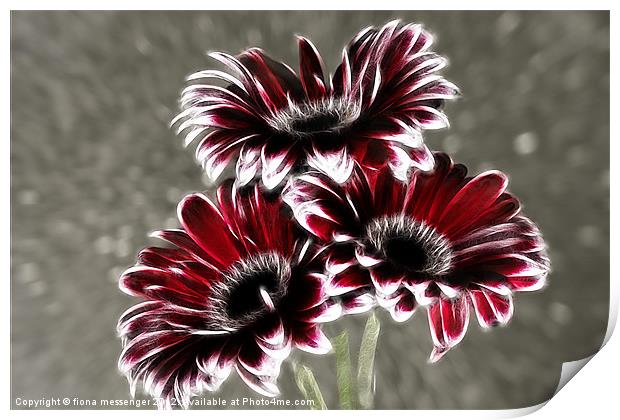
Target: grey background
x=94 y=168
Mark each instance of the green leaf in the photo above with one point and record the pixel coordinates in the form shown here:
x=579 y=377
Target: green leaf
x=366 y=362
x=344 y=374
x=309 y=387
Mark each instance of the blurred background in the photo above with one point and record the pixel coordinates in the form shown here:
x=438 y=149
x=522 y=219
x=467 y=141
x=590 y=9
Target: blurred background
x=95 y=168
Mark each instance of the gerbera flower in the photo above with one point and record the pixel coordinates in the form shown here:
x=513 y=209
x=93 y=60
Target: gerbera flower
x=443 y=240
x=272 y=120
x=238 y=290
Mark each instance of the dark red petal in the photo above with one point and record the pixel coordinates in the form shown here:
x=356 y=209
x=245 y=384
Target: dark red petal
x=154 y=316
x=277 y=161
x=197 y=98
x=257 y=213
x=163 y=257
x=320 y=206
x=360 y=44
x=277 y=78
x=218 y=149
x=385 y=278
x=420 y=65
x=254 y=359
x=165 y=362
x=263 y=385
x=448 y=321
x=272 y=336
x=403 y=43
x=347 y=281
x=311 y=70
x=425 y=291
x=223 y=116
x=401 y=161
x=504 y=208
x=496 y=246
x=181 y=239
x=389 y=193
x=369 y=153
x=219 y=361
x=427 y=118
x=392 y=129
x=226 y=195
x=305 y=291
x=342 y=79
x=206 y=226
x=496 y=232
x=129 y=323
x=325 y=312
x=454 y=317
x=252 y=86
x=404 y=308
x=368 y=256
x=471 y=201
x=450 y=185
x=491 y=308
x=508 y=265
x=311 y=339
x=248 y=164
x=258 y=370
x=526 y=284
x=146 y=345
x=339 y=257
x=354 y=303
x=177 y=288
x=424 y=186
x=335 y=162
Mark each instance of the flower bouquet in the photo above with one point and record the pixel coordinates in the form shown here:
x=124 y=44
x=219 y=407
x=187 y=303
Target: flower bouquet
x=337 y=207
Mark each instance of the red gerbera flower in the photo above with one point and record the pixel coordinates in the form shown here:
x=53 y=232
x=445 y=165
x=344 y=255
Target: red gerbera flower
x=443 y=240
x=271 y=120
x=238 y=290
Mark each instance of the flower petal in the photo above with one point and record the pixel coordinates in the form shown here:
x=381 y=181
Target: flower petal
x=526 y=284
x=404 y=308
x=357 y=304
x=206 y=226
x=385 y=279
x=248 y=164
x=347 y=281
x=312 y=340
x=471 y=201
x=263 y=385
x=326 y=312
x=491 y=308
x=164 y=285
x=311 y=69
x=339 y=257
x=320 y=206
x=164 y=361
x=510 y=265
x=336 y=163
x=277 y=161
x=277 y=79
x=448 y=321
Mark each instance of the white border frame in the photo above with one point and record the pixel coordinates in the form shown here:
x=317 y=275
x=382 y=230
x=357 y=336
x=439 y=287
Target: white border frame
x=593 y=393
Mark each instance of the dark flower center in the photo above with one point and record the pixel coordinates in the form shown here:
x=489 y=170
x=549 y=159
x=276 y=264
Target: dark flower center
x=316 y=123
x=410 y=245
x=248 y=290
x=329 y=116
x=245 y=298
x=407 y=253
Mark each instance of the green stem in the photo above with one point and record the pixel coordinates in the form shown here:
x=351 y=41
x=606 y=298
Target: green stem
x=309 y=387
x=366 y=362
x=344 y=374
